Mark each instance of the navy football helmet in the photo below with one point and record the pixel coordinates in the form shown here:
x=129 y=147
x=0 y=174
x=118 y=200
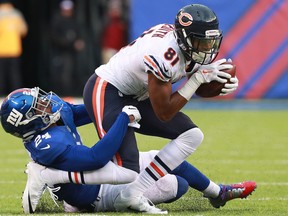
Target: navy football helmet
x=197 y=33
x=27 y=111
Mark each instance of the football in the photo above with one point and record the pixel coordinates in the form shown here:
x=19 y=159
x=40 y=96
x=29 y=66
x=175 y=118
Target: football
x=213 y=88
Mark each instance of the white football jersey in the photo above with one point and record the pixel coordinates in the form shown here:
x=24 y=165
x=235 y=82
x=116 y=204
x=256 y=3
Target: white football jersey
x=156 y=50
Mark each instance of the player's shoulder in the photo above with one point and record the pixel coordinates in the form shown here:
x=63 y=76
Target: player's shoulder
x=45 y=147
x=163 y=56
x=161 y=35
x=48 y=139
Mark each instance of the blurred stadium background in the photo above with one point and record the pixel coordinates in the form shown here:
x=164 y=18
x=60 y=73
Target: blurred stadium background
x=255 y=37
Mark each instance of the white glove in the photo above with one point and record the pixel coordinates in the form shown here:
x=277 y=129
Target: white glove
x=230 y=87
x=213 y=71
x=131 y=110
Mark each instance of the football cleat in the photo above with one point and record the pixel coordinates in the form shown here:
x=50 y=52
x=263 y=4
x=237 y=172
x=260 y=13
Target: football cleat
x=233 y=191
x=136 y=204
x=34 y=189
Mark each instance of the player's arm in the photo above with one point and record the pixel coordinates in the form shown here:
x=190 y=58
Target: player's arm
x=80 y=114
x=55 y=151
x=164 y=103
x=83 y=158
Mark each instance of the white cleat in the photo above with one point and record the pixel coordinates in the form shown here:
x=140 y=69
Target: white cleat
x=136 y=204
x=34 y=189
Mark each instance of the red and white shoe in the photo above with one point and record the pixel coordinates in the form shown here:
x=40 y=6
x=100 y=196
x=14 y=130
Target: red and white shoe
x=233 y=191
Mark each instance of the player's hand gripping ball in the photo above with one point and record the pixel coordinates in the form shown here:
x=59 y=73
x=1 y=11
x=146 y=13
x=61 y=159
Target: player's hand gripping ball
x=214 y=88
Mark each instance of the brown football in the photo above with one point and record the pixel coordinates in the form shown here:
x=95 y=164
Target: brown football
x=213 y=88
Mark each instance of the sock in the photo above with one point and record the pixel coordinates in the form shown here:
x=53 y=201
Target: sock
x=212 y=190
x=167 y=189
x=192 y=175
x=53 y=176
x=109 y=174
x=159 y=167
x=182 y=188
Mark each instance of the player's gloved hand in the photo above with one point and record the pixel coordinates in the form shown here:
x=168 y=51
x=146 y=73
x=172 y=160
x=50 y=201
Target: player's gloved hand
x=213 y=71
x=131 y=110
x=230 y=87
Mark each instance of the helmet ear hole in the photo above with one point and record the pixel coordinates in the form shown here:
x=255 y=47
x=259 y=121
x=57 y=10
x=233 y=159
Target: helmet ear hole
x=30 y=114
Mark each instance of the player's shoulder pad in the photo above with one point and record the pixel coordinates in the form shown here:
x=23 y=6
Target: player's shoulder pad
x=158 y=67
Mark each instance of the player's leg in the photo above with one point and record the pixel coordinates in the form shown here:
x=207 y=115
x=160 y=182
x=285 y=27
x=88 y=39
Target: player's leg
x=167 y=189
x=103 y=103
x=218 y=195
x=109 y=174
x=186 y=137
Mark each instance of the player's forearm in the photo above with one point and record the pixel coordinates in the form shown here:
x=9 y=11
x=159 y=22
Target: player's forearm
x=107 y=147
x=190 y=87
x=166 y=110
x=83 y=158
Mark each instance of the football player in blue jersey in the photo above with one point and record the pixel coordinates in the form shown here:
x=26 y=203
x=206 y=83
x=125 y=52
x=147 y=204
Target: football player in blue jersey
x=47 y=125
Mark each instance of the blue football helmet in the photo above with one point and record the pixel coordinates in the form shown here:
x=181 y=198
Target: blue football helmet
x=27 y=111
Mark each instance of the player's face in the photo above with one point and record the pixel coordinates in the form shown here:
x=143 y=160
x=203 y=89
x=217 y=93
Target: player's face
x=43 y=105
x=204 y=50
x=203 y=45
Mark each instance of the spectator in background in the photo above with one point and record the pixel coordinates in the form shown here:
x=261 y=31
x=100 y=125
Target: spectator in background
x=65 y=36
x=115 y=31
x=13 y=28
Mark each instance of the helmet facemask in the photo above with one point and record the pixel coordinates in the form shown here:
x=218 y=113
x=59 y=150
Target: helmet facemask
x=202 y=49
x=42 y=107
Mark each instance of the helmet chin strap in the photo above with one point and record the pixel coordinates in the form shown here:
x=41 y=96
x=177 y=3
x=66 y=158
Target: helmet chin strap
x=182 y=46
x=55 y=117
x=28 y=135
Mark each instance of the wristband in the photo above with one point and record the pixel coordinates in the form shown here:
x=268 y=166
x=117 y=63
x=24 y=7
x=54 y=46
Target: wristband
x=189 y=88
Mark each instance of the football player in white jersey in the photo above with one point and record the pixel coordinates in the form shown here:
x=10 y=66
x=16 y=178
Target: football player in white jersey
x=141 y=74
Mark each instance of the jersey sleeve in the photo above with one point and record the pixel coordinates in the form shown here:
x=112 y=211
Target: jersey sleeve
x=83 y=158
x=158 y=67
x=81 y=116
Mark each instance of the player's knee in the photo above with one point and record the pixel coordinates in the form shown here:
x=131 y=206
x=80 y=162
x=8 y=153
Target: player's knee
x=190 y=140
x=182 y=188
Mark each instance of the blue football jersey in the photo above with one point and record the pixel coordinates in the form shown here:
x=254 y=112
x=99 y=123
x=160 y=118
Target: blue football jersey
x=60 y=147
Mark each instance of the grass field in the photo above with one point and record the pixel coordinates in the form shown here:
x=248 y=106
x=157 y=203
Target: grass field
x=238 y=146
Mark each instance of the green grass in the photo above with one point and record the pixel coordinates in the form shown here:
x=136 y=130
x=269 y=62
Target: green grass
x=238 y=146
